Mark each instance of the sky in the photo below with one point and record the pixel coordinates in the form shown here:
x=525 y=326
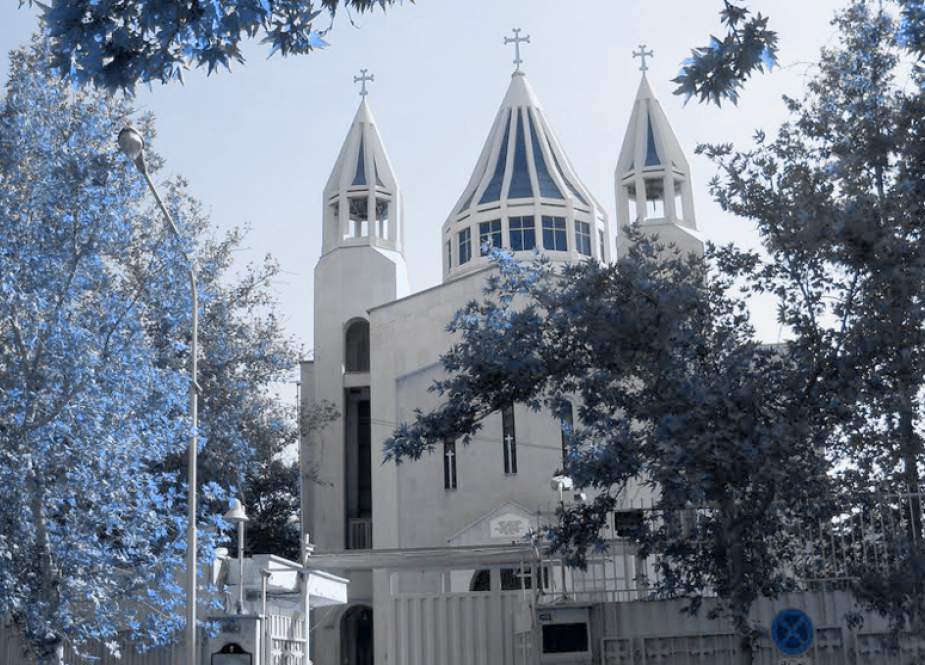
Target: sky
x=257 y=145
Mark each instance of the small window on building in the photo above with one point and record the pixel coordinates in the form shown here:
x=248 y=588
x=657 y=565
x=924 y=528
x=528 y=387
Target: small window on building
x=554 y=236
x=523 y=233
x=583 y=237
x=601 y=245
x=449 y=464
x=465 y=246
x=567 y=424
x=509 y=439
x=382 y=218
x=449 y=254
x=490 y=233
x=359 y=217
x=655 y=198
x=356 y=347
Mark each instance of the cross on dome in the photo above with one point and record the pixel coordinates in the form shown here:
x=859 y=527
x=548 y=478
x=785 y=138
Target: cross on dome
x=362 y=79
x=642 y=54
x=517 y=40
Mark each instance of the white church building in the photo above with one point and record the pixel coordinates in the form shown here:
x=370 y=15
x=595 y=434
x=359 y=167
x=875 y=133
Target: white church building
x=450 y=527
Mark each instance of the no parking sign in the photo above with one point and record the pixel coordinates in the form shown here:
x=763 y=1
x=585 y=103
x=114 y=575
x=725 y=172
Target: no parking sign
x=792 y=632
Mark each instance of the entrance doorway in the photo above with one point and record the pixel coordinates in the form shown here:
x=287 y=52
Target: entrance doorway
x=356 y=636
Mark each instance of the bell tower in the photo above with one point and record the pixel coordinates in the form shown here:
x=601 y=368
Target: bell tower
x=653 y=178
x=361 y=266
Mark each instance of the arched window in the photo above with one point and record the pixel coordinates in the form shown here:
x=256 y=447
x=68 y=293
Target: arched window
x=356 y=347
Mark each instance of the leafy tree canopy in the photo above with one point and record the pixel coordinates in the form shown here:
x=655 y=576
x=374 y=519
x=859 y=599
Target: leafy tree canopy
x=671 y=389
x=94 y=350
x=837 y=198
x=116 y=45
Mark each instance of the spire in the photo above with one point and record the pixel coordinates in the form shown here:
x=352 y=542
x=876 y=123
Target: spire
x=523 y=177
x=653 y=183
x=362 y=196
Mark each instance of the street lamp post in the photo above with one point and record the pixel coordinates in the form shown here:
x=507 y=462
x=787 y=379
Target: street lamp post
x=132 y=144
x=236 y=515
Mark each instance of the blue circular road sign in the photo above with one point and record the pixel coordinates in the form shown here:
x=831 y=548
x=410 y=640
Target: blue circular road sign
x=792 y=632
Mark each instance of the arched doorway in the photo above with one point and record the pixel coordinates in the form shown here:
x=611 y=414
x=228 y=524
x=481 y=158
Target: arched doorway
x=356 y=636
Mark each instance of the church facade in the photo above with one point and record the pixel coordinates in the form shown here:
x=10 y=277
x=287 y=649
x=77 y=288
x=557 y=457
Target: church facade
x=463 y=509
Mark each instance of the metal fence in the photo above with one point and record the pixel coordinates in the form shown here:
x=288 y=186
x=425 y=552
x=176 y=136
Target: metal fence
x=868 y=535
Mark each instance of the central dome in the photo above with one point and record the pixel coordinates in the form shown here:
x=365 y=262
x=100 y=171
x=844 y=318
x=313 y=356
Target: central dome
x=524 y=194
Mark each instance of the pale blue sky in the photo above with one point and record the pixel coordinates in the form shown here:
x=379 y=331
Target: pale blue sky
x=257 y=145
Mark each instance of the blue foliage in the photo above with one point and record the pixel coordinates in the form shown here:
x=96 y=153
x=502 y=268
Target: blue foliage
x=118 y=45
x=92 y=541
x=717 y=72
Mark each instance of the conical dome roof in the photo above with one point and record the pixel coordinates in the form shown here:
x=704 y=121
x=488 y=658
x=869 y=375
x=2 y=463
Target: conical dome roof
x=650 y=142
x=363 y=161
x=524 y=194
x=522 y=157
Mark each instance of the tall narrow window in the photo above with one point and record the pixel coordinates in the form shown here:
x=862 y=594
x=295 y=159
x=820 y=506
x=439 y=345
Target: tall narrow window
x=655 y=198
x=449 y=464
x=449 y=255
x=382 y=218
x=359 y=217
x=601 y=245
x=583 y=237
x=567 y=424
x=465 y=246
x=678 y=201
x=489 y=232
x=509 y=439
x=523 y=233
x=554 y=237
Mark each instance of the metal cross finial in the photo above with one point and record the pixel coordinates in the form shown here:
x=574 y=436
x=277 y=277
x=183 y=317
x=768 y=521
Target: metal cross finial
x=517 y=40
x=642 y=54
x=362 y=79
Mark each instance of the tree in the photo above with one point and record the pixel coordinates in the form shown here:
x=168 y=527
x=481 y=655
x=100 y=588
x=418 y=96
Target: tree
x=87 y=411
x=672 y=389
x=837 y=198
x=246 y=430
x=94 y=350
x=116 y=45
x=272 y=490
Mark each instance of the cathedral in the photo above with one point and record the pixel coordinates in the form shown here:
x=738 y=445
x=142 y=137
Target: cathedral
x=439 y=569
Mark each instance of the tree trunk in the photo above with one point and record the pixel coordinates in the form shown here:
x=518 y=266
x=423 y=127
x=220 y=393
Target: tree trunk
x=52 y=652
x=910 y=450
x=735 y=556
x=746 y=649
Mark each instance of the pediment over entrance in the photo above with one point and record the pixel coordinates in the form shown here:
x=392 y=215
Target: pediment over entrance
x=508 y=523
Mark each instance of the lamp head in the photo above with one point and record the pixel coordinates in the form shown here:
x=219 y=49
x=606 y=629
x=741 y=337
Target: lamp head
x=561 y=483
x=132 y=145
x=236 y=513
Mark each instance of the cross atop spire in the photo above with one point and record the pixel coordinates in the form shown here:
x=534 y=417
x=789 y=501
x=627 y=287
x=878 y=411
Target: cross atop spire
x=642 y=54
x=362 y=79
x=517 y=40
